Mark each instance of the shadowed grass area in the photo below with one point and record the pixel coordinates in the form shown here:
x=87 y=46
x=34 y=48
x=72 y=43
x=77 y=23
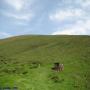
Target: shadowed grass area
x=26 y=62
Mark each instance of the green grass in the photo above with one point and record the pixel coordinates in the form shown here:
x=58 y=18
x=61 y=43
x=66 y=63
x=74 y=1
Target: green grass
x=26 y=62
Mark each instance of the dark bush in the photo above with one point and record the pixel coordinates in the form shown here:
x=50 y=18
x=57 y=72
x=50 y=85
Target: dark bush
x=76 y=86
x=25 y=72
x=56 y=79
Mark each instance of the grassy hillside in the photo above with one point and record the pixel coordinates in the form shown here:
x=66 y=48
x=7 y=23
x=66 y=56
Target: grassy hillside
x=26 y=62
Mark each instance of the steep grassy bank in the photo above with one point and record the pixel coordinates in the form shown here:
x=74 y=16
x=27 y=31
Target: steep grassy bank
x=26 y=62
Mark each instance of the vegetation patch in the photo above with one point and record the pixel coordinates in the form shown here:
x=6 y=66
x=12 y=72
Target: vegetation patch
x=27 y=62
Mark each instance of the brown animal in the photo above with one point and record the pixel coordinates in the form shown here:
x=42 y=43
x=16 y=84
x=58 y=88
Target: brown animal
x=58 y=67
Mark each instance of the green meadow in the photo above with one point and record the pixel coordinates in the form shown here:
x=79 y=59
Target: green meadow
x=26 y=62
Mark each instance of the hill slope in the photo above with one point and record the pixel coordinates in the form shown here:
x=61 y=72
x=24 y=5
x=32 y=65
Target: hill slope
x=26 y=62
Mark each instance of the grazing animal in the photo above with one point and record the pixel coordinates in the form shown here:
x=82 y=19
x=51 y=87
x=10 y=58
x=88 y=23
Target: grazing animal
x=61 y=67
x=58 y=67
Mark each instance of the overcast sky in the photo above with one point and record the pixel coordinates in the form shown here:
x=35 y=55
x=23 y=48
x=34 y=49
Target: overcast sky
x=69 y=17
